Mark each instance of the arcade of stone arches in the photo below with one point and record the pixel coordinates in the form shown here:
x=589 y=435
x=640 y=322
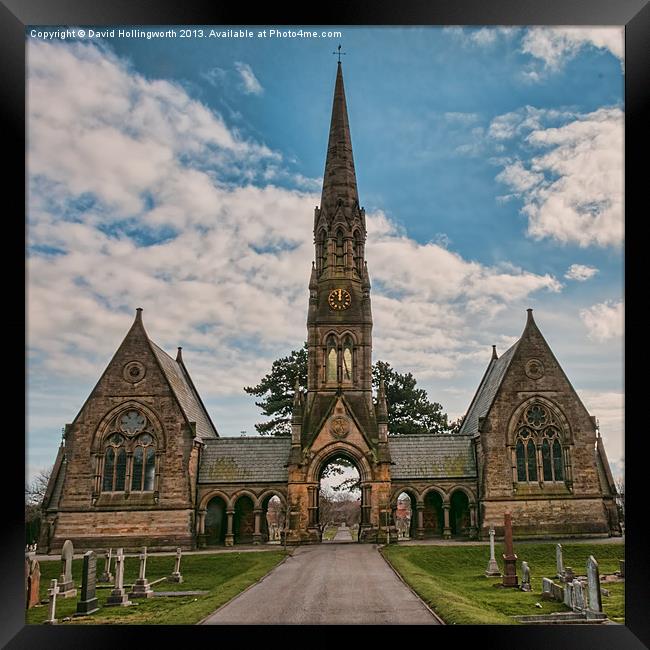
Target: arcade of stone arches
x=258 y=514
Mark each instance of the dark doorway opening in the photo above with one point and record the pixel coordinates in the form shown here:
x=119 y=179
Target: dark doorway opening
x=215 y=522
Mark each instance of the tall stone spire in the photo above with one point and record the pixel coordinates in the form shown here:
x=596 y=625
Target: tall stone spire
x=339 y=180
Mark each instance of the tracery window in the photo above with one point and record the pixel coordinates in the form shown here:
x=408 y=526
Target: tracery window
x=131 y=452
x=538 y=447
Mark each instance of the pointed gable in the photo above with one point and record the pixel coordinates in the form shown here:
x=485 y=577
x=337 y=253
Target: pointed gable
x=141 y=367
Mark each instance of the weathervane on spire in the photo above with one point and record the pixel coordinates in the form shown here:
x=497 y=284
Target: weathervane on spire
x=339 y=52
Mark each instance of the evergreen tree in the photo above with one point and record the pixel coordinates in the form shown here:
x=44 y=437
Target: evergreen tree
x=409 y=408
x=278 y=388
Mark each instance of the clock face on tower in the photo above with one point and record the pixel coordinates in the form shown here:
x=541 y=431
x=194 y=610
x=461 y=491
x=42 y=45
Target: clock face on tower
x=339 y=299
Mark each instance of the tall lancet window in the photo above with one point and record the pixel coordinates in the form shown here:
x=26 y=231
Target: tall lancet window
x=331 y=374
x=346 y=366
x=114 y=464
x=144 y=464
x=340 y=251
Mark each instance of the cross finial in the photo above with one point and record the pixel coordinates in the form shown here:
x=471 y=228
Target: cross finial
x=339 y=52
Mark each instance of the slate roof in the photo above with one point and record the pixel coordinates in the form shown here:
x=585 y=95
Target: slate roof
x=487 y=390
x=187 y=395
x=55 y=484
x=432 y=456
x=238 y=460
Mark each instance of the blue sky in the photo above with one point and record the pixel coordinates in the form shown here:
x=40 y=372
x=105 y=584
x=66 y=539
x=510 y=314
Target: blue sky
x=179 y=175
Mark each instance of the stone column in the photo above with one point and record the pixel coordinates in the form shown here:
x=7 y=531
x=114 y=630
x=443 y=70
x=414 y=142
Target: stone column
x=446 y=531
x=52 y=593
x=230 y=538
x=509 y=557
x=492 y=567
x=419 y=531
x=257 y=534
x=200 y=528
x=559 y=561
x=312 y=508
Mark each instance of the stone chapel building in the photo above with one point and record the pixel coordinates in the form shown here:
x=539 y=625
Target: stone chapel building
x=143 y=463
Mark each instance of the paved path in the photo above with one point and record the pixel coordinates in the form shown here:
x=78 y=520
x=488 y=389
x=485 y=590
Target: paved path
x=328 y=583
x=343 y=535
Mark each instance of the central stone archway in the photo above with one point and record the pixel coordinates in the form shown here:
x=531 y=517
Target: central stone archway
x=304 y=487
x=339 y=500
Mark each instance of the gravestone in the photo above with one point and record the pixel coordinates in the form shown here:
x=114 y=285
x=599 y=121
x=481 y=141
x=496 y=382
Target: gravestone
x=33 y=583
x=88 y=603
x=52 y=593
x=593 y=580
x=621 y=568
x=558 y=592
x=66 y=585
x=141 y=587
x=579 y=603
x=525 y=577
x=568 y=575
x=559 y=561
x=547 y=589
x=492 y=567
x=118 y=596
x=176 y=575
x=568 y=595
x=509 y=557
x=107 y=576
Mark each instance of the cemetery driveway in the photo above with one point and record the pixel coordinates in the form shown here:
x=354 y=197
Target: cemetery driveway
x=327 y=584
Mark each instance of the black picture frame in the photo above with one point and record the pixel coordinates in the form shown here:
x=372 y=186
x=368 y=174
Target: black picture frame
x=633 y=14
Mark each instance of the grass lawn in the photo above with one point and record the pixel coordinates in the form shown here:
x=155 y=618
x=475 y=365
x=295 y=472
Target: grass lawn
x=222 y=576
x=452 y=581
x=329 y=533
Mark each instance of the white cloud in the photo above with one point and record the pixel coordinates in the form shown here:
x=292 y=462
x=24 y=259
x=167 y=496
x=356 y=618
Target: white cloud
x=572 y=190
x=251 y=84
x=483 y=37
x=604 y=321
x=580 y=272
x=555 y=45
x=609 y=408
x=127 y=184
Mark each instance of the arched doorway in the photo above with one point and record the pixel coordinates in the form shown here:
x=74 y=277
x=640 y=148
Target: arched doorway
x=244 y=520
x=459 y=519
x=432 y=515
x=339 y=500
x=273 y=519
x=216 y=522
x=405 y=516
